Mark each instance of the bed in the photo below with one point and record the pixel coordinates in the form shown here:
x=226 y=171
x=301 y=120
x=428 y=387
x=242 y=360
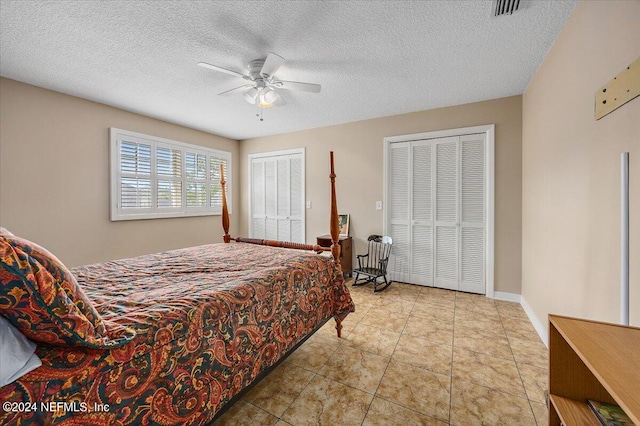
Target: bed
x=182 y=334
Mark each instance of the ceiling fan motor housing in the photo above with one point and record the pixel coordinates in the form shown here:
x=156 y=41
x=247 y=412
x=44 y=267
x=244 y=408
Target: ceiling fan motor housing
x=254 y=68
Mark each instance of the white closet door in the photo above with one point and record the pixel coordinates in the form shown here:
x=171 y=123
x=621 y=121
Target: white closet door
x=277 y=197
x=472 y=211
x=399 y=194
x=258 y=215
x=282 y=202
x=270 y=195
x=296 y=200
x=422 y=165
x=446 y=209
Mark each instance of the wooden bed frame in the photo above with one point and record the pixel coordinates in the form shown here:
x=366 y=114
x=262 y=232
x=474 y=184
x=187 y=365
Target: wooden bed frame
x=334 y=228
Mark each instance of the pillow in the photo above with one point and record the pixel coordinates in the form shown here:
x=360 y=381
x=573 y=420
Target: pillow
x=16 y=352
x=41 y=298
x=62 y=276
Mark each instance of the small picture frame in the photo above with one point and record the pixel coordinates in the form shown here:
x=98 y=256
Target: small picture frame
x=343 y=224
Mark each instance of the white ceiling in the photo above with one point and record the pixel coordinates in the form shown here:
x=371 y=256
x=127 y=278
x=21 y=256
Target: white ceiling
x=372 y=59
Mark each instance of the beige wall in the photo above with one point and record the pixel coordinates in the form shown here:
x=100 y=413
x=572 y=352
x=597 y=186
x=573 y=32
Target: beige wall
x=54 y=177
x=571 y=169
x=359 y=150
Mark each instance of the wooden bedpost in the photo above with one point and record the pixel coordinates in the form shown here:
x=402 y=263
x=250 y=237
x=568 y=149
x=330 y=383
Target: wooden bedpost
x=225 y=210
x=334 y=229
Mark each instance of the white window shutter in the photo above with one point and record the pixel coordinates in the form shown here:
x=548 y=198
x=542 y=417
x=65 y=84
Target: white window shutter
x=169 y=178
x=135 y=176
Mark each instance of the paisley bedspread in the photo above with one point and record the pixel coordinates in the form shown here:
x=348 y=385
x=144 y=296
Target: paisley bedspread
x=208 y=321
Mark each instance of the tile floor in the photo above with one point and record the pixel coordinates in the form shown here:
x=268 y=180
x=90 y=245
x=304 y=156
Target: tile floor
x=409 y=355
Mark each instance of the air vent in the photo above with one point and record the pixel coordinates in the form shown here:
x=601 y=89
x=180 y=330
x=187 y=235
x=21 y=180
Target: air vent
x=505 y=7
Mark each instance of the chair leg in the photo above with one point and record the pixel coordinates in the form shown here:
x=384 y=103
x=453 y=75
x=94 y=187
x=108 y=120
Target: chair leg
x=386 y=284
x=355 y=281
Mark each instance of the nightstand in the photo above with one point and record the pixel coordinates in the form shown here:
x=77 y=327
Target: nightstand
x=346 y=255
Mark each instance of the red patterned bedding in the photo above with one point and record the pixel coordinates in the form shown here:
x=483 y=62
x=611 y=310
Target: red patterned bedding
x=208 y=321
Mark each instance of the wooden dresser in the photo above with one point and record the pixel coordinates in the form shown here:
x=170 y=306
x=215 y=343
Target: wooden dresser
x=592 y=360
x=346 y=255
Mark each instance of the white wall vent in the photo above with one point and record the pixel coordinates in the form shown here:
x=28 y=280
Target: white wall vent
x=505 y=7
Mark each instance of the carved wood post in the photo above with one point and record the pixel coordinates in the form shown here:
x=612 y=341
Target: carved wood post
x=333 y=224
x=225 y=210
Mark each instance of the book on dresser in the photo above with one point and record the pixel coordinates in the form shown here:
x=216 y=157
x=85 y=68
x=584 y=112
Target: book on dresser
x=609 y=414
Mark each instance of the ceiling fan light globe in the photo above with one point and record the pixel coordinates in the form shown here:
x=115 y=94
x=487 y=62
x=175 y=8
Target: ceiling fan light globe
x=251 y=95
x=269 y=96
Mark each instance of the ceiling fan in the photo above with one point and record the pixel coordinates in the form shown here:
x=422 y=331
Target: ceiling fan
x=262 y=87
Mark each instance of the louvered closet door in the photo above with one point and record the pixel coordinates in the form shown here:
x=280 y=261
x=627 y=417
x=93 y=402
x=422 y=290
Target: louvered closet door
x=421 y=247
x=399 y=198
x=271 y=200
x=472 y=210
x=277 y=198
x=258 y=215
x=446 y=213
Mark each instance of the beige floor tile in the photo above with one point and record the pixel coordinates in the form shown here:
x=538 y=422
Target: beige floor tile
x=356 y=368
x=477 y=310
x=243 y=413
x=476 y=405
x=541 y=413
x=471 y=311
x=432 y=311
x=373 y=339
x=404 y=344
x=326 y=402
x=402 y=291
x=437 y=297
x=520 y=329
x=530 y=352
x=486 y=370
x=535 y=381
x=387 y=413
x=436 y=331
x=313 y=353
x=481 y=324
x=387 y=320
x=424 y=354
x=439 y=293
x=511 y=310
x=417 y=389
x=482 y=341
x=363 y=299
x=329 y=332
x=278 y=390
x=394 y=304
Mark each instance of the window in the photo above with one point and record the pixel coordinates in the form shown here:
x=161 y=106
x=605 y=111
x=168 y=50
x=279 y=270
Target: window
x=153 y=177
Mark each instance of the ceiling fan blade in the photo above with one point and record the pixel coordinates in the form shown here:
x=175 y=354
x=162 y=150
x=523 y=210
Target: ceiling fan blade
x=271 y=64
x=224 y=70
x=235 y=89
x=296 y=85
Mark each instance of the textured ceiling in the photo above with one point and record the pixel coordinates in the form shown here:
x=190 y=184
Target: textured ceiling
x=372 y=59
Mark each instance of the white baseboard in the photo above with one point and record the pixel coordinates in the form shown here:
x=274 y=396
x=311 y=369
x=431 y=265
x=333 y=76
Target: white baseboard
x=509 y=297
x=540 y=326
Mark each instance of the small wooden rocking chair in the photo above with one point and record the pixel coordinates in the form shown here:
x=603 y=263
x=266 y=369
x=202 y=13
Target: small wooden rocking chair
x=373 y=265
